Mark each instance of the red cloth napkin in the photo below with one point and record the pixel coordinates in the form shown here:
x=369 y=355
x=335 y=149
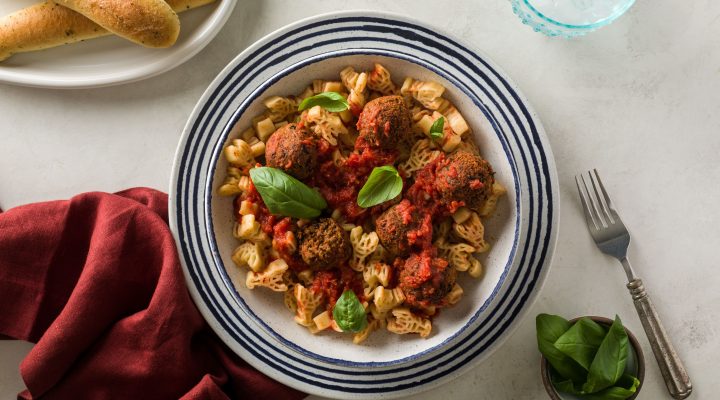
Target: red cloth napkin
x=96 y=282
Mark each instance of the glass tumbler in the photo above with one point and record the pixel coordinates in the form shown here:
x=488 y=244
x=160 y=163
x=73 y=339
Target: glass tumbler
x=569 y=18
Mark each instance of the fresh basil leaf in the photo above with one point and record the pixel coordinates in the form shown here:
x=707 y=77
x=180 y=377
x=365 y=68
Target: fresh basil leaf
x=331 y=101
x=383 y=184
x=549 y=329
x=581 y=341
x=436 y=129
x=349 y=313
x=609 y=362
x=567 y=386
x=625 y=387
x=285 y=195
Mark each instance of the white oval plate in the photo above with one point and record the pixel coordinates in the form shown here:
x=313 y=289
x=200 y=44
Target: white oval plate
x=111 y=60
x=256 y=324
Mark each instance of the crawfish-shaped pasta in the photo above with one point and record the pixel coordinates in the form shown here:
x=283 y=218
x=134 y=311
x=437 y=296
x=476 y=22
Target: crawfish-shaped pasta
x=363 y=245
x=473 y=232
x=375 y=274
x=491 y=202
x=403 y=321
x=250 y=255
x=280 y=108
x=325 y=124
x=307 y=302
x=421 y=155
x=379 y=80
x=271 y=277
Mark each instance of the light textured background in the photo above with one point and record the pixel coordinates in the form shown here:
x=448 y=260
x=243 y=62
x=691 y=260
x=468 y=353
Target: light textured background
x=639 y=100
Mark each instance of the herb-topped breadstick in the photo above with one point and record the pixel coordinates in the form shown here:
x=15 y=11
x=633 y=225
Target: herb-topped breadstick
x=48 y=25
x=151 y=23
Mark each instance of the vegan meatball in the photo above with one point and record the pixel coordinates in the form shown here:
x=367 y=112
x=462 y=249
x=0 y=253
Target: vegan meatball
x=465 y=177
x=292 y=149
x=402 y=226
x=426 y=280
x=385 y=123
x=323 y=244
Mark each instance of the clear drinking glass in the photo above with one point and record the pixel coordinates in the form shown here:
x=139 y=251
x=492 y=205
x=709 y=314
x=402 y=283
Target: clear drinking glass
x=569 y=18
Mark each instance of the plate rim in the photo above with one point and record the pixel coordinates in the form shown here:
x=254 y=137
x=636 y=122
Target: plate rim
x=521 y=98
x=176 y=56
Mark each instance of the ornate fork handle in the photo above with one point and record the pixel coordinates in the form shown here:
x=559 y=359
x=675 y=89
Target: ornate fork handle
x=672 y=368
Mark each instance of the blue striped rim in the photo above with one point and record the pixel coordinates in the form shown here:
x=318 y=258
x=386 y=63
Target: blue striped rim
x=242 y=338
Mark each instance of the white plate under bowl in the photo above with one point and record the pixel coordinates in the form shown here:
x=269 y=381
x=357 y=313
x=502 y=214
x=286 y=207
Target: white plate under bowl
x=111 y=60
x=255 y=323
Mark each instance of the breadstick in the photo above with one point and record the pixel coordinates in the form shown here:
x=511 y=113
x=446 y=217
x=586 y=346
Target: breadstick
x=47 y=25
x=150 y=23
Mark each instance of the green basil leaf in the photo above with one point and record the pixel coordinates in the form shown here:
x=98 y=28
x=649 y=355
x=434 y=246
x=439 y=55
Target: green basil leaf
x=581 y=341
x=383 y=184
x=436 y=129
x=566 y=386
x=285 y=195
x=609 y=362
x=349 y=313
x=625 y=387
x=549 y=329
x=331 y=101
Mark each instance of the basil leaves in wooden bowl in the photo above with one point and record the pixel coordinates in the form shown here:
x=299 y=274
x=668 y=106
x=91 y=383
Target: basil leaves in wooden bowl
x=591 y=358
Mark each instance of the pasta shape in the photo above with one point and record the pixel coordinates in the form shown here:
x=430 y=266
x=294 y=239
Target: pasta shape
x=379 y=80
x=375 y=274
x=455 y=294
x=249 y=229
x=363 y=245
x=372 y=326
x=421 y=155
x=460 y=256
x=281 y=107
x=349 y=77
x=321 y=322
x=230 y=187
x=251 y=255
x=271 y=277
x=307 y=302
x=491 y=202
x=387 y=299
x=429 y=94
x=325 y=124
x=355 y=83
x=289 y=298
x=306 y=277
x=239 y=153
x=403 y=321
x=476 y=269
x=473 y=232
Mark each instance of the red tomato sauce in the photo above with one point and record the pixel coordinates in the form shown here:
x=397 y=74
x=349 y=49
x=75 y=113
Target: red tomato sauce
x=333 y=282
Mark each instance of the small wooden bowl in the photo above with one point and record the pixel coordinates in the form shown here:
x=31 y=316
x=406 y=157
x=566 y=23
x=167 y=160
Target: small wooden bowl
x=637 y=350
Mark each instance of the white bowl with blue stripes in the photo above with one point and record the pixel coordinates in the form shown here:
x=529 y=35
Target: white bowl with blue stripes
x=255 y=324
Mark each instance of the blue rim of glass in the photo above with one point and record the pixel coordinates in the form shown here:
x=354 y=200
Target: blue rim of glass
x=595 y=25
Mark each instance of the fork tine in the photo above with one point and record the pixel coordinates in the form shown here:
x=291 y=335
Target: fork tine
x=600 y=200
x=593 y=203
x=608 y=201
x=586 y=208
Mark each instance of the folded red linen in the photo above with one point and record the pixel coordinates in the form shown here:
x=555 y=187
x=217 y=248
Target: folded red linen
x=96 y=283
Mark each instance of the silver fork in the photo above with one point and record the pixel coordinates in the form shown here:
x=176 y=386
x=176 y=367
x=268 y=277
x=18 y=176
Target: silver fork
x=613 y=238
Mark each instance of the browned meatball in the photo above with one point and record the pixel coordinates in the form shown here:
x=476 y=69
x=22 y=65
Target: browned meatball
x=324 y=244
x=400 y=227
x=385 y=123
x=426 y=280
x=293 y=150
x=465 y=177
